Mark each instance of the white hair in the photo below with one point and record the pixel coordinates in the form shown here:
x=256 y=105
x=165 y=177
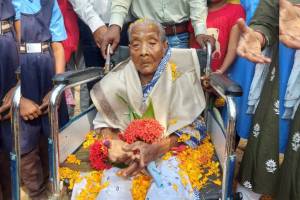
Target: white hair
x=147 y=22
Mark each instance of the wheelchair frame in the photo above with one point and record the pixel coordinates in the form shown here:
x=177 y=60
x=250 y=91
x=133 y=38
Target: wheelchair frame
x=221 y=84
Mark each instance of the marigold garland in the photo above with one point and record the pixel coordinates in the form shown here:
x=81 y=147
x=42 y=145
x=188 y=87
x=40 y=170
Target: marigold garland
x=72 y=176
x=140 y=186
x=93 y=186
x=198 y=165
x=90 y=138
x=72 y=159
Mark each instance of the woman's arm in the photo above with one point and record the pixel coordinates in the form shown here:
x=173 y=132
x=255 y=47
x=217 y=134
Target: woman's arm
x=231 y=49
x=108 y=133
x=166 y=144
x=59 y=56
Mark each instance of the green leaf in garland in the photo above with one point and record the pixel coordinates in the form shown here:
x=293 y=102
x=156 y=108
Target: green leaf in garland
x=149 y=113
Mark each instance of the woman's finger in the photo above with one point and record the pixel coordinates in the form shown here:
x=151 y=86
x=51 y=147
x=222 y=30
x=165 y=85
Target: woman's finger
x=130 y=169
x=31 y=117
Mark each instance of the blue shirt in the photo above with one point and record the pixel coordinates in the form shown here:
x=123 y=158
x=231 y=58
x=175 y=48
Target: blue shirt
x=57 y=27
x=17 y=4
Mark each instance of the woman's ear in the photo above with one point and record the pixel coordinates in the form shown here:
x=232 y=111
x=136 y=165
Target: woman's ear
x=165 y=45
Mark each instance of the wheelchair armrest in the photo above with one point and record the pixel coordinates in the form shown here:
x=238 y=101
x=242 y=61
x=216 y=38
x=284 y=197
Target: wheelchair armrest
x=71 y=77
x=226 y=86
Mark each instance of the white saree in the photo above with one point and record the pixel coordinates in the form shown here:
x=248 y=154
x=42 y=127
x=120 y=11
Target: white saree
x=177 y=99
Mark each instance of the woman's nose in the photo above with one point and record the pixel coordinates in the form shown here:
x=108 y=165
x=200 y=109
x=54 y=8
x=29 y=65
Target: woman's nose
x=144 y=50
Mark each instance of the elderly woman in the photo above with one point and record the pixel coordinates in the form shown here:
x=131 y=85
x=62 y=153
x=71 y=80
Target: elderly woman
x=177 y=97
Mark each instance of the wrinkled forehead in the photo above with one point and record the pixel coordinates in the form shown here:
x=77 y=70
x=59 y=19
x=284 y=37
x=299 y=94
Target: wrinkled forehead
x=145 y=30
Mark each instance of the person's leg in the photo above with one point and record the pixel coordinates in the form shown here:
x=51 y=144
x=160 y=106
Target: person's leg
x=5 y=178
x=179 y=40
x=32 y=175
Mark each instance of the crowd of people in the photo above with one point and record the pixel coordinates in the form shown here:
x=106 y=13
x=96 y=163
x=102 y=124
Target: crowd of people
x=254 y=43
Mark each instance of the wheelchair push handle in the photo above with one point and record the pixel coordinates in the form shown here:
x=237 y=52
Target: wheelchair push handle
x=208 y=48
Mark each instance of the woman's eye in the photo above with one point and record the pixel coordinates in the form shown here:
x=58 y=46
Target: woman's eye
x=135 y=45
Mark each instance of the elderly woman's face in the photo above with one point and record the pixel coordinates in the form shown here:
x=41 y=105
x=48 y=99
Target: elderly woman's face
x=146 y=48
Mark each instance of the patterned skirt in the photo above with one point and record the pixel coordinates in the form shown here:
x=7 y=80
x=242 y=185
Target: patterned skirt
x=289 y=185
x=259 y=166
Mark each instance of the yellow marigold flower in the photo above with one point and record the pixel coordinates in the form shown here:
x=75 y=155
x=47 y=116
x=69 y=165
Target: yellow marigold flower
x=93 y=186
x=72 y=159
x=217 y=182
x=167 y=156
x=184 y=137
x=197 y=165
x=219 y=102
x=175 y=73
x=140 y=186
x=72 y=176
x=90 y=138
x=175 y=187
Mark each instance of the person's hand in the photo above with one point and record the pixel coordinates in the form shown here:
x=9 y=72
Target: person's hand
x=205 y=83
x=99 y=34
x=202 y=39
x=45 y=103
x=112 y=36
x=116 y=154
x=289 y=24
x=250 y=44
x=218 y=71
x=6 y=104
x=28 y=109
x=144 y=154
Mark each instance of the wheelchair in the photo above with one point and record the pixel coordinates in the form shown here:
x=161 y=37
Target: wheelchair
x=67 y=140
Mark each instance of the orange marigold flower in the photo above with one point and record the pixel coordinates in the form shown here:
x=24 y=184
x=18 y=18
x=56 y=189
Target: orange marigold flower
x=140 y=186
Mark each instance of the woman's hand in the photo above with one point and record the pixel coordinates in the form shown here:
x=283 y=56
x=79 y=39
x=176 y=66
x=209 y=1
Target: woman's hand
x=289 y=24
x=250 y=44
x=143 y=154
x=116 y=154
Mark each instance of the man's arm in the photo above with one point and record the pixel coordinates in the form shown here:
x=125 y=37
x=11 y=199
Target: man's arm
x=119 y=11
x=86 y=12
x=198 y=15
x=265 y=20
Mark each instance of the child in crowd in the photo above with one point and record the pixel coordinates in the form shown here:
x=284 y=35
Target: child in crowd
x=41 y=57
x=221 y=23
x=9 y=58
